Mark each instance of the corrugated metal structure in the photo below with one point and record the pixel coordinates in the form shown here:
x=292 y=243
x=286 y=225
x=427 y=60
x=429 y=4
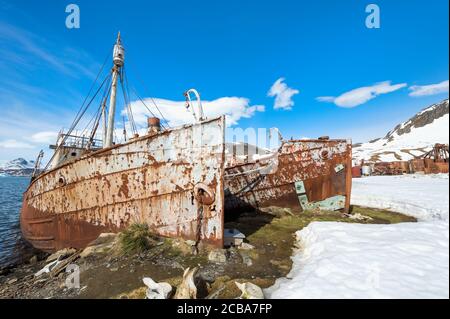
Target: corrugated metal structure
x=433 y=162
x=171 y=180
x=303 y=174
x=386 y=168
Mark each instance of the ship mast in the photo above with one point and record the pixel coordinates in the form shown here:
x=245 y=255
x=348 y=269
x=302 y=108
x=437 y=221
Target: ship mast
x=118 y=59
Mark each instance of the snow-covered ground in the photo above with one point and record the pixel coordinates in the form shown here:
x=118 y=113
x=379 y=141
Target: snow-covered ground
x=408 y=260
x=422 y=196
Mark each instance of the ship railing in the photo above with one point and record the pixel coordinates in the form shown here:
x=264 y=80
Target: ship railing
x=80 y=142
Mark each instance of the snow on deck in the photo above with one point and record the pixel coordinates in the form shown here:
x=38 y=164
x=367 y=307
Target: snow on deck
x=408 y=260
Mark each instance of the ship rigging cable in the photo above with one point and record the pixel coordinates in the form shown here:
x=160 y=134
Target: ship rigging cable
x=126 y=95
x=153 y=101
x=77 y=120
x=103 y=100
x=91 y=88
x=148 y=109
x=81 y=111
x=97 y=115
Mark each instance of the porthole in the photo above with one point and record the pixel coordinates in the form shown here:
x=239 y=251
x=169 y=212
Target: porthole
x=61 y=181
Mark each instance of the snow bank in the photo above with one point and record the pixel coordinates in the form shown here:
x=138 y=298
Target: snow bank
x=338 y=260
x=422 y=196
x=408 y=260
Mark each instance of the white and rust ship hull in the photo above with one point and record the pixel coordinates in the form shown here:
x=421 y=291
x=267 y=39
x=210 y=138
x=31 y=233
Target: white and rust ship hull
x=304 y=175
x=173 y=181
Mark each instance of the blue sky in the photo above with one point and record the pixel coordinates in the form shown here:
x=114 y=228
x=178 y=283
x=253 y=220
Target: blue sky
x=227 y=49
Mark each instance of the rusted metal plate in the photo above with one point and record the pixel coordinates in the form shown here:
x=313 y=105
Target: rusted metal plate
x=152 y=179
x=356 y=171
x=387 y=168
x=321 y=169
x=417 y=165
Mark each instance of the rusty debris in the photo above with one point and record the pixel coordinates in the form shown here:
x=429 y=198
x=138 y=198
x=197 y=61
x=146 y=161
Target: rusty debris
x=303 y=174
x=356 y=171
x=433 y=162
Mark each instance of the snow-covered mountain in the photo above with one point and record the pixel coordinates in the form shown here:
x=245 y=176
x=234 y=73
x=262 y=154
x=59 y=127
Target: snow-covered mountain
x=410 y=139
x=17 y=167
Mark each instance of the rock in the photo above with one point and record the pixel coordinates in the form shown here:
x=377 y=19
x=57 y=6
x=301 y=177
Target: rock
x=190 y=242
x=11 y=281
x=4 y=271
x=156 y=290
x=246 y=259
x=103 y=244
x=187 y=289
x=40 y=281
x=61 y=254
x=233 y=255
x=33 y=260
x=250 y=291
x=277 y=211
x=186 y=247
x=358 y=216
x=104 y=238
x=28 y=277
x=93 y=250
x=246 y=246
x=218 y=256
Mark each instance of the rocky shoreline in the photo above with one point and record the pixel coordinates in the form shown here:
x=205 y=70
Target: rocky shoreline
x=105 y=272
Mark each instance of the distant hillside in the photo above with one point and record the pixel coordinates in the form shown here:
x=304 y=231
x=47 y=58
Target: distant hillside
x=410 y=139
x=17 y=167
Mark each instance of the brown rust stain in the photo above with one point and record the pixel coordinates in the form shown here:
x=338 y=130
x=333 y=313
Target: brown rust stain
x=123 y=190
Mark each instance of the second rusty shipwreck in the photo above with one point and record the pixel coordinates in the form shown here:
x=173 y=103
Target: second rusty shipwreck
x=180 y=181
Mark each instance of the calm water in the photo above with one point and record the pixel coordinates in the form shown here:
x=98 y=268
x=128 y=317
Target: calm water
x=12 y=247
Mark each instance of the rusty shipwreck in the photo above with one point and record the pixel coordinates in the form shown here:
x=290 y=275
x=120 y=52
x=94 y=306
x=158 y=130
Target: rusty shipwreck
x=180 y=181
x=300 y=174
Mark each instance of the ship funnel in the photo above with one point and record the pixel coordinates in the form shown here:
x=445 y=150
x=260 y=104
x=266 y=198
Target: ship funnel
x=154 y=125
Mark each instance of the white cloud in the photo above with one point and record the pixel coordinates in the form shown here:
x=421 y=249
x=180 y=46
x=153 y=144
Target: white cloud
x=45 y=137
x=362 y=95
x=14 y=144
x=283 y=95
x=176 y=113
x=431 y=89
